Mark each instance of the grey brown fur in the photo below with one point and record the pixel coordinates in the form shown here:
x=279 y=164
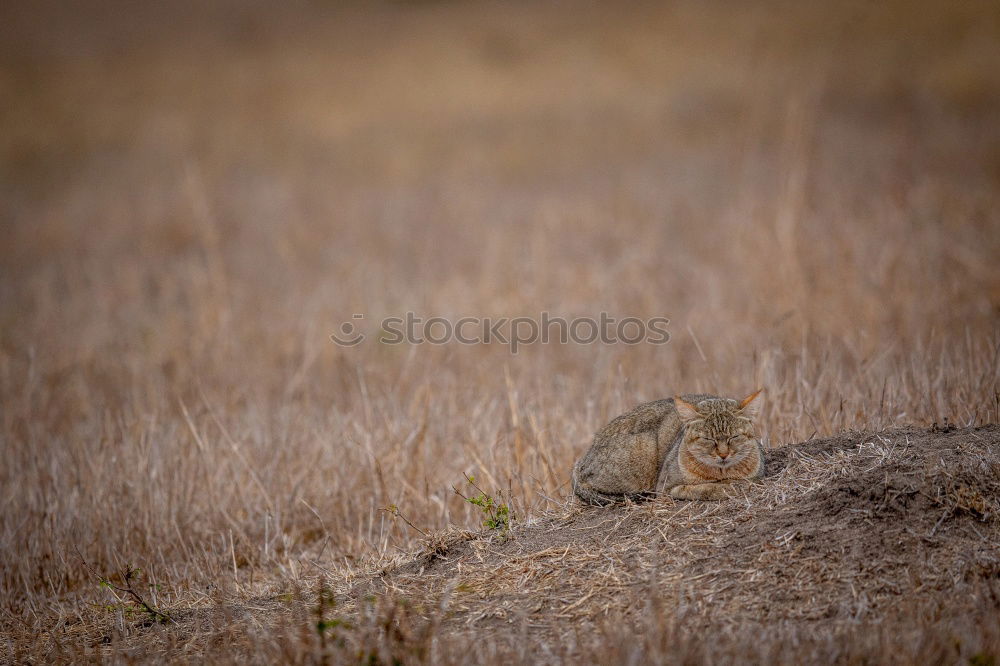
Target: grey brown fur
x=694 y=446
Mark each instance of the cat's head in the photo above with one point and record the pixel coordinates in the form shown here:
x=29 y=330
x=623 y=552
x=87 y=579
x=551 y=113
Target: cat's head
x=719 y=431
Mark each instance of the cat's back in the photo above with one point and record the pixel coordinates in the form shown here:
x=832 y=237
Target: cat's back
x=642 y=418
x=647 y=417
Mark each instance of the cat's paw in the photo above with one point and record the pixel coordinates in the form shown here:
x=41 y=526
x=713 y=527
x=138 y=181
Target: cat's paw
x=702 y=491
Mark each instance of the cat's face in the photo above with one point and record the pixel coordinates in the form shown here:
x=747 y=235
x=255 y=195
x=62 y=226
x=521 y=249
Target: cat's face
x=720 y=432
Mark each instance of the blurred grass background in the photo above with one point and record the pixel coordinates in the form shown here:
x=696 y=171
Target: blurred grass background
x=194 y=196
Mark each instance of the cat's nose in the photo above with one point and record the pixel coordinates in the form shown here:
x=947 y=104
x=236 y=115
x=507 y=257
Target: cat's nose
x=723 y=455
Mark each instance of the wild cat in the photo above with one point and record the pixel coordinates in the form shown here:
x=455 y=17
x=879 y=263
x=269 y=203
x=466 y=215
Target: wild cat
x=693 y=446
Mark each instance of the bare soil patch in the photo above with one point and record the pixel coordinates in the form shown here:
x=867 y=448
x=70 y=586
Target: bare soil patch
x=845 y=531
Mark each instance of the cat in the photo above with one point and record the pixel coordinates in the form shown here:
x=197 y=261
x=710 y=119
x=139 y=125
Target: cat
x=694 y=447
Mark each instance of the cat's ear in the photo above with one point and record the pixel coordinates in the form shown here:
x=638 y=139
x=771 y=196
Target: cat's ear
x=750 y=405
x=686 y=410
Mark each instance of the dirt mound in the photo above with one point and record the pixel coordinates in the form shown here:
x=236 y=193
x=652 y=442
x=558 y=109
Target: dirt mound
x=859 y=528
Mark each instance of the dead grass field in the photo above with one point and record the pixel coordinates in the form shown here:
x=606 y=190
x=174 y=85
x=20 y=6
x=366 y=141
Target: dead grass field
x=194 y=198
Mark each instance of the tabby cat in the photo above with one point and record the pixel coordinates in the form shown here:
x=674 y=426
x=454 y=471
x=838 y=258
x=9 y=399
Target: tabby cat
x=694 y=447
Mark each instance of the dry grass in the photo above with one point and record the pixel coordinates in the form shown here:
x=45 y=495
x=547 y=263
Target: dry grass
x=196 y=198
x=859 y=532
